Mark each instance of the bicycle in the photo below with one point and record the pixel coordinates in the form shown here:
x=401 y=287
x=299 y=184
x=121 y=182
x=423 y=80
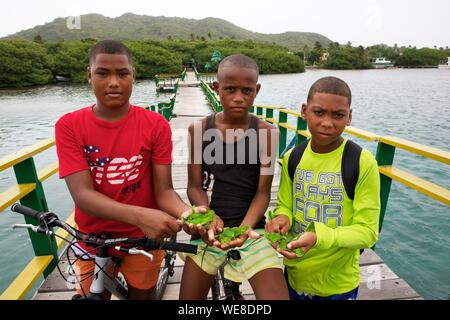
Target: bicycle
x=223 y=288
x=103 y=279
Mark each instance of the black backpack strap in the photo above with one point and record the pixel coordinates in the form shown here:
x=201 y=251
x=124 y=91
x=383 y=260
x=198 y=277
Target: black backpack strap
x=350 y=167
x=295 y=157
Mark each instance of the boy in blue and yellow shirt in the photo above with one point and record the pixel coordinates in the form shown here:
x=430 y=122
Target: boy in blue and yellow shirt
x=333 y=226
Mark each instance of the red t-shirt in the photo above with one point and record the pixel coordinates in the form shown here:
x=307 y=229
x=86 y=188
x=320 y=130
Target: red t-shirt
x=119 y=156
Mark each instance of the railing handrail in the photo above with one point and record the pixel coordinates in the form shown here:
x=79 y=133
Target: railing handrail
x=167 y=75
x=10 y=160
x=411 y=146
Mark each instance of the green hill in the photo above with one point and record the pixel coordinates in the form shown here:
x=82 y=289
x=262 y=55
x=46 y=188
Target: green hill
x=130 y=26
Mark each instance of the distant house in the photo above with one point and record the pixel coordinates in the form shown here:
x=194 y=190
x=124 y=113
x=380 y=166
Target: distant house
x=445 y=65
x=324 y=56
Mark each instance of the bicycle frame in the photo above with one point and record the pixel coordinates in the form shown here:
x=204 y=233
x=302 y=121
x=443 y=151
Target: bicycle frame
x=166 y=271
x=103 y=279
x=222 y=288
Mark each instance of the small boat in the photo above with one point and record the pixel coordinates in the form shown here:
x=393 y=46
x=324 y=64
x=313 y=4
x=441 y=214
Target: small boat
x=445 y=65
x=61 y=79
x=381 y=63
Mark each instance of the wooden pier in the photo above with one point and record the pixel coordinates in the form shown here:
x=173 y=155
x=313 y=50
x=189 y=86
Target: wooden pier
x=378 y=281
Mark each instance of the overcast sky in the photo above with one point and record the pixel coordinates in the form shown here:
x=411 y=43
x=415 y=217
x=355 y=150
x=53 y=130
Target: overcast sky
x=364 y=22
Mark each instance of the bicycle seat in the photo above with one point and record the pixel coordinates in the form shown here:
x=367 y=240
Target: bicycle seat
x=234 y=254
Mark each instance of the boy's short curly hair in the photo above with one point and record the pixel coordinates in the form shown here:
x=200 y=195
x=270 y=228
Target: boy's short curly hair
x=109 y=47
x=331 y=85
x=239 y=61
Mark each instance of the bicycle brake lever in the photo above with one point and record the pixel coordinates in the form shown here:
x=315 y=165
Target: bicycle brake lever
x=144 y=253
x=34 y=228
x=135 y=251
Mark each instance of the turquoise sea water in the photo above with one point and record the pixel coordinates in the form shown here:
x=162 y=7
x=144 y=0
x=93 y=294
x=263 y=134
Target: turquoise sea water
x=411 y=104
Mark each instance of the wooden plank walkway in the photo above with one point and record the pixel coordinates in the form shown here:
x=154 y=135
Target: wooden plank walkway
x=378 y=281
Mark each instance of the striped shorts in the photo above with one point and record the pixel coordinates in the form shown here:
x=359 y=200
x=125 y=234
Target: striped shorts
x=256 y=255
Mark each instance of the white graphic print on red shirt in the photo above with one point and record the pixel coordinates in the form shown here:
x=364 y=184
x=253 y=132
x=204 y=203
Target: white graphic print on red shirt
x=119 y=169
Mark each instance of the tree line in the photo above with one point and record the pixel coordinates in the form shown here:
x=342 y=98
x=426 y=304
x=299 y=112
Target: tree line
x=337 y=56
x=27 y=63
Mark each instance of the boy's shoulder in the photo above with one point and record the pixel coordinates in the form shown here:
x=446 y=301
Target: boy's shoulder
x=148 y=114
x=265 y=125
x=86 y=111
x=70 y=116
x=367 y=159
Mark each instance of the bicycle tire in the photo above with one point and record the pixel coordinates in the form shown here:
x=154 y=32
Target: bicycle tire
x=164 y=273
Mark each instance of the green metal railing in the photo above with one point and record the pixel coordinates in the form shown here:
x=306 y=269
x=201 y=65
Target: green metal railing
x=169 y=81
x=208 y=78
x=164 y=108
x=385 y=153
x=210 y=96
x=183 y=75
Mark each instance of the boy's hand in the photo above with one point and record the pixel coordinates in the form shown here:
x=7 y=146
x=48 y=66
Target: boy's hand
x=306 y=241
x=209 y=235
x=279 y=224
x=250 y=233
x=191 y=228
x=157 y=224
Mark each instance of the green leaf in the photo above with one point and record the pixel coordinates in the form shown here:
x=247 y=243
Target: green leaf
x=283 y=239
x=230 y=234
x=201 y=218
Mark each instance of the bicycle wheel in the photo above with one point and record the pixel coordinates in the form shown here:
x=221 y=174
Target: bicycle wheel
x=165 y=271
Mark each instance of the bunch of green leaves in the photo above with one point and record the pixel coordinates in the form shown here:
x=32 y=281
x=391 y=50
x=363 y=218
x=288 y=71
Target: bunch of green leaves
x=283 y=239
x=230 y=234
x=200 y=218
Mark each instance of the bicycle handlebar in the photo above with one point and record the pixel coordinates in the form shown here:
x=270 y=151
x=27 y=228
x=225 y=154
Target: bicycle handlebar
x=93 y=240
x=27 y=211
x=170 y=245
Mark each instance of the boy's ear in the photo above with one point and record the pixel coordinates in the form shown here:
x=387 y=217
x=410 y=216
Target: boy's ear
x=216 y=86
x=89 y=73
x=349 y=118
x=258 y=87
x=303 y=109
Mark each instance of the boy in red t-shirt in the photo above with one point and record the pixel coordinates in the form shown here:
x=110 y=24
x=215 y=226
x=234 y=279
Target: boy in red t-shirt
x=115 y=157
